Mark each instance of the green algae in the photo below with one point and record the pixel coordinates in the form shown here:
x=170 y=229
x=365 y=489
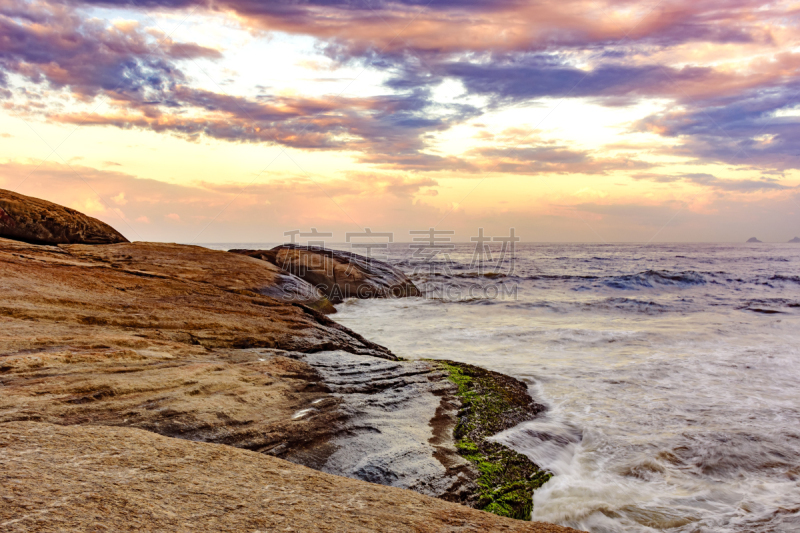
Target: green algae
x=492 y=402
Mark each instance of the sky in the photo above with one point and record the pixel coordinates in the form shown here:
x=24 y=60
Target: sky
x=202 y=121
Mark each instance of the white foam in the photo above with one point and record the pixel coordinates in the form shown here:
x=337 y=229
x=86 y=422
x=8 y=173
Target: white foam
x=683 y=419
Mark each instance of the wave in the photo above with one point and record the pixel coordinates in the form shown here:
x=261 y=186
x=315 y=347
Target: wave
x=605 y=304
x=780 y=277
x=652 y=278
x=770 y=306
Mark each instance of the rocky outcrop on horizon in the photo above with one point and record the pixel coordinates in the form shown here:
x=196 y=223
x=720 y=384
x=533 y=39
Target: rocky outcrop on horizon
x=339 y=275
x=795 y=240
x=38 y=221
x=753 y=239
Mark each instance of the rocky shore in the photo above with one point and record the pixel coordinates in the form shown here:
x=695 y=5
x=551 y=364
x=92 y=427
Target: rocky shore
x=168 y=387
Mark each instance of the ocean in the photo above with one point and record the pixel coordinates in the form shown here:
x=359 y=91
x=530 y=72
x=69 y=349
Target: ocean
x=671 y=372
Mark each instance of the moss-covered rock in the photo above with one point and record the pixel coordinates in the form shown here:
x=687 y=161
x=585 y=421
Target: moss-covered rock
x=491 y=403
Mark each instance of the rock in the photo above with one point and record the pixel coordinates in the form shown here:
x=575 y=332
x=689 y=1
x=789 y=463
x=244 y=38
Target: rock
x=94 y=478
x=380 y=439
x=492 y=403
x=795 y=240
x=195 y=263
x=183 y=342
x=753 y=239
x=339 y=275
x=177 y=297
x=398 y=428
x=162 y=337
x=32 y=220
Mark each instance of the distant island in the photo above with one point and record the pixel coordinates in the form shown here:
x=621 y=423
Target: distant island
x=796 y=239
x=753 y=239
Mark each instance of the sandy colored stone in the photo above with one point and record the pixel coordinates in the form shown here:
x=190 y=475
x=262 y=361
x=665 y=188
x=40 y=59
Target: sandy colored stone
x=83 y=478
x=161 y=340
x=38 y=221
x=99 y=343
x=339 y=275
x=179 y=298
x=195 y=263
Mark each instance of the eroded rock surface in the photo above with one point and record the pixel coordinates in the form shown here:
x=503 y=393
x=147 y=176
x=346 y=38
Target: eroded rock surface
x=162 y=337
x=84 y=478
x=183 y=342
x=397 y=429
x=33 y=220
x=339 y=275
x=147 y=293
x=491 y=403
x=198 y=264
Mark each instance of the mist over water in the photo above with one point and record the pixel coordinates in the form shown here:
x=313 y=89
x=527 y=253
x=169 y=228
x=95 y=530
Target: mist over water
x=671 y=373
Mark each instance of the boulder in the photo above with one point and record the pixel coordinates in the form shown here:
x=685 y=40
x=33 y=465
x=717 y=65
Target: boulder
x=36 y=221
x=203 y=265
x=339 y=275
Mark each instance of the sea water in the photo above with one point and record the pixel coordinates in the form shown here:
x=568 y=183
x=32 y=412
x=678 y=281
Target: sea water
x=671 y=373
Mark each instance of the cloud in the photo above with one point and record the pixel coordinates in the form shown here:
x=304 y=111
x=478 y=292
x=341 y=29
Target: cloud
x=712 y=182
x=552 y=159
x=53 y=44
x=387 y=130
x=508 y=52
x=356 y=27
x=745 y=129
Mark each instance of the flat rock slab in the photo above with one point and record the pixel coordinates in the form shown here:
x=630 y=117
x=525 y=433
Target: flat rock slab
x=180 y=298
x=397 y=425
x=199 y=264
x=38 y=221
x=84 y=478
x=160 y=337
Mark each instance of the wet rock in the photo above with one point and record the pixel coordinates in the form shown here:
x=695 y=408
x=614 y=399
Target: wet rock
x=453 y=456
x=339 y=275
x=33 y=220
x=491 y=403
x=397 y=429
